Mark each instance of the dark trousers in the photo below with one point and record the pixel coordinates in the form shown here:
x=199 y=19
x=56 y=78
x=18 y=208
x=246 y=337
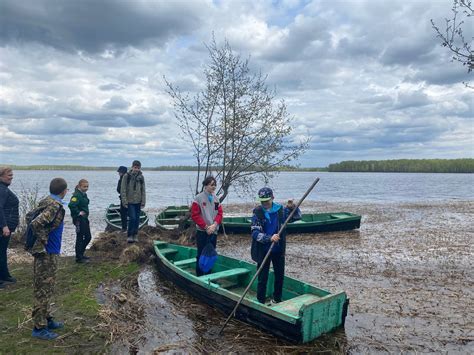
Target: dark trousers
x=123 y=216
x=133 y=218
x=278 y=262
x=202 y=238
x=83 y=236
x=4 y=273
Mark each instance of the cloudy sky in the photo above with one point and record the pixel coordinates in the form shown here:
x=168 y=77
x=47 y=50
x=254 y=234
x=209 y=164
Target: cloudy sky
x=82 y=80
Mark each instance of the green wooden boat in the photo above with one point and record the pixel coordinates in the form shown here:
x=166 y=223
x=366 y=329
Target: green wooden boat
x=309 y=223
x=305 y=313
x=170 y=216
x=112 y=218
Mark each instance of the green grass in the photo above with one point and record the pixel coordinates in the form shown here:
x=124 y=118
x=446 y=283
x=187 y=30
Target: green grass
x=75 y=304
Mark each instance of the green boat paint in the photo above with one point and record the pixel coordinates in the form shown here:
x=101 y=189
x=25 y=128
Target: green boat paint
x=305 y=313
x=309 y=223
x=114 y=222
x=170 y=216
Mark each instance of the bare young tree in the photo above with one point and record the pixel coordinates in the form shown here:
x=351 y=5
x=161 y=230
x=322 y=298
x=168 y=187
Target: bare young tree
x=236 y=129
x=453 y=36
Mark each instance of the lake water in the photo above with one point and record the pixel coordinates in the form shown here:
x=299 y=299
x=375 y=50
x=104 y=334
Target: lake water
x=175 y=187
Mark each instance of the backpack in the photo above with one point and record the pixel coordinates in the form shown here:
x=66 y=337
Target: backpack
x=30 y=235
x=208 y=258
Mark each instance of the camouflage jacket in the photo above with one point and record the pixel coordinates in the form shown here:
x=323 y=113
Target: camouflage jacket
x=49 y=219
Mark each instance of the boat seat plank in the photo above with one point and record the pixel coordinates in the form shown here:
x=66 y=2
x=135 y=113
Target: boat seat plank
x=293 y=305
x=185 y=262
x=223 y=274
x=166 y=251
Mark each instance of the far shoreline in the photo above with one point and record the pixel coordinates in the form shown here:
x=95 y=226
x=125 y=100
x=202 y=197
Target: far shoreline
x=435 y=166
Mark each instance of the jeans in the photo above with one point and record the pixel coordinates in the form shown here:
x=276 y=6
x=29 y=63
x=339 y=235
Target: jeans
x=202 y=239
x=133 y=218
x=278 y=261
x=4 y=273
x=83 y=236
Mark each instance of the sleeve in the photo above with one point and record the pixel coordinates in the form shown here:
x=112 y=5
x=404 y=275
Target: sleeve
x=258 y=234
x=143 y=193
x=74 y=207
x=45 y=218
x=3 y=201
x=220 y=214
x=297 y=215
x=123 y=190
x=196 y=215
x=119 y=185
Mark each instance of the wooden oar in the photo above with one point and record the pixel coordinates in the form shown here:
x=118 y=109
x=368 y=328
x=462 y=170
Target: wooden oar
x=266 y=256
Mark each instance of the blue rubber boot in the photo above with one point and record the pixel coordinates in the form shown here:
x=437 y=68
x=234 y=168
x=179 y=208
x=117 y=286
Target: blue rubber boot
x=43 y=334
x=52 y=324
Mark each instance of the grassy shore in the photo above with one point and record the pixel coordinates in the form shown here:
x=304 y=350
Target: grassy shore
x=75 y=304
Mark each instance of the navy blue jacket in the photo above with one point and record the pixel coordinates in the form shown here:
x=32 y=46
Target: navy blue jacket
x=9 y=215
x=262 y=230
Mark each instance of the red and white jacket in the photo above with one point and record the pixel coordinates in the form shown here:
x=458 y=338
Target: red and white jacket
x=204 y=212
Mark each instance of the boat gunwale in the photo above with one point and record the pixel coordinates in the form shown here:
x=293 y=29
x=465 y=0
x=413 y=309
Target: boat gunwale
x=214 y=287
x=115 y=226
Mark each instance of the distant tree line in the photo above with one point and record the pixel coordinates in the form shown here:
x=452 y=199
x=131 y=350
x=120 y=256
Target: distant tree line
x=406 y=166
x=392 y=166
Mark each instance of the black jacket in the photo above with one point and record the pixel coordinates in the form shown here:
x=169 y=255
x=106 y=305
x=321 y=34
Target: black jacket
x=9 y=214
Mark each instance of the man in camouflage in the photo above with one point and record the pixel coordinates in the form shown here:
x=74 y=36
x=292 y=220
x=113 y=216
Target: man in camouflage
x=48 y=227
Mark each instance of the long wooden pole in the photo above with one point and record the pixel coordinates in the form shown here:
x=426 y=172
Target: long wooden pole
x=267 y=256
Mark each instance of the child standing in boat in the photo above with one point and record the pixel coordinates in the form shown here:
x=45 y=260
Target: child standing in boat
x=79 y=207
x=207 y=213
x=266 y=222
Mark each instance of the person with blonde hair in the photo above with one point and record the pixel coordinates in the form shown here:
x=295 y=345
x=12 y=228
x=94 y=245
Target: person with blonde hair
x=79 y=207
x=9 y=217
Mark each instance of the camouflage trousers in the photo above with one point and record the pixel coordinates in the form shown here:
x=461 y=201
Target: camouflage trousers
x=44 y=280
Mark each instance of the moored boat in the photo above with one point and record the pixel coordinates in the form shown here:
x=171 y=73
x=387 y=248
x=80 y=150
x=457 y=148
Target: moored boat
x=309 y=223
x=114 y=222
x=170 y=217
x=305 y=313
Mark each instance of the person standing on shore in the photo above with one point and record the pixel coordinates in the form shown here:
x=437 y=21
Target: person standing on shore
x=206 y=212
x=133 y=195
x=79 y=207
x=122 y=170
x=290 y=206
x=48 y=227
x=9 y=217
x=266 y=222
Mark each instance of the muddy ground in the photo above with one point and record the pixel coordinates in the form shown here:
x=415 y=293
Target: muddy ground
x=408 y=273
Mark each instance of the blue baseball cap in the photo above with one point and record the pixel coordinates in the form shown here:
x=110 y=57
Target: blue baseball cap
x=122 y=169
x=265 y=194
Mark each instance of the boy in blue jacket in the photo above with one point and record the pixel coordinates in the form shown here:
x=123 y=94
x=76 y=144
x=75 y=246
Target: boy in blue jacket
x=266 y=222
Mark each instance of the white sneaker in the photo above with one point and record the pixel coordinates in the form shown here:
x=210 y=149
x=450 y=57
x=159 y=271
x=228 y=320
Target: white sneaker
x=130 y=239
x=272 y=303
x=135 y=238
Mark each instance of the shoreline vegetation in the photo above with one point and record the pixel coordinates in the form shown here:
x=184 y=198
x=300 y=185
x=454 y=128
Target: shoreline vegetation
x=464 y=166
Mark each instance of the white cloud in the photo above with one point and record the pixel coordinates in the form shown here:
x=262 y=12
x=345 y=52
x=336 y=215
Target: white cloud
x=367 y=79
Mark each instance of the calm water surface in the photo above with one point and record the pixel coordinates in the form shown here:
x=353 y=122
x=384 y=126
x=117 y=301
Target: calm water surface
x=175 y=187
